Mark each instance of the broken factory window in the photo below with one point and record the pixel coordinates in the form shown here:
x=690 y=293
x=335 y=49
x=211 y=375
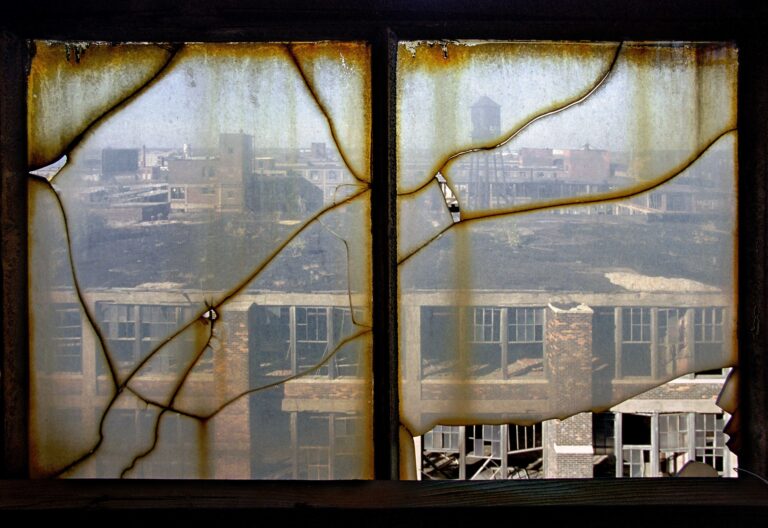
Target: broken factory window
x=201 y=260
x=202 y=304
x=566 y=220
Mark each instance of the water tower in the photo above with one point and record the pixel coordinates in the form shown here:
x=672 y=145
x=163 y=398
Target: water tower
x=487 y=187
x=486 y=119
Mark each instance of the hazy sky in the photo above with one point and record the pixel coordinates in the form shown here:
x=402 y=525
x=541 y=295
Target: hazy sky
x=669 y=104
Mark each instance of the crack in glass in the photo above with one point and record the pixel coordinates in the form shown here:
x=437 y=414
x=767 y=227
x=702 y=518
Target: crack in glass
x=200 y=255
x=164 y=375
x=575 y=258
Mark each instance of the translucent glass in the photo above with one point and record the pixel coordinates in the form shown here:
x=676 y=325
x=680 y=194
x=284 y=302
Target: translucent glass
x=73 y=84
x=570 y=220
x=200 y=261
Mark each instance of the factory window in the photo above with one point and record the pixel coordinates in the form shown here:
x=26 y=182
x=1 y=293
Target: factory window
x=311 y=336
x=120 y=331
x=481 y=251
x=216 y=261
x=442 y=438
x=673 y=432
x=486 y=326
x=303 y=340
x=67 y=351
x=636 y=342
x=526 y=341
x=325 y=446
x=135 y=331
x=710 y=440
x=672 y=335
x=709 y=334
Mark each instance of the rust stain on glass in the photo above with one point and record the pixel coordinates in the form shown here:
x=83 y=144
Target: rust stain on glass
x=200 y=261
x=569 y=221
x=71 y=84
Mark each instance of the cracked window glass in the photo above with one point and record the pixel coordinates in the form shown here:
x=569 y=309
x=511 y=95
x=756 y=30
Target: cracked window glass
x=566 y=243
x=200 y=260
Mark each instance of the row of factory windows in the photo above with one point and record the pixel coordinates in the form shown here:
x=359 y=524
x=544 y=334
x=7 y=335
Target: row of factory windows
x=505 y=342
x=511 y=342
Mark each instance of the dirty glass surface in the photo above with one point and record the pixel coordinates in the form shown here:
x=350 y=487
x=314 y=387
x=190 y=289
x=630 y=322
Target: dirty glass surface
x=200 y=260
x=567 y=231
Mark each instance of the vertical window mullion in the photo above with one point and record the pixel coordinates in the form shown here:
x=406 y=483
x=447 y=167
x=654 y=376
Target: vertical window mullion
x=752 y=251
x=14 y=362
x=384 y=257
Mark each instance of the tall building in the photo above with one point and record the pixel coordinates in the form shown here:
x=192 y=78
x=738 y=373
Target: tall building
x=212 y=182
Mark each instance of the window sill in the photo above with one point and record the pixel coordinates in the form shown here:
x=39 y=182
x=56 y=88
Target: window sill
x=742 y=500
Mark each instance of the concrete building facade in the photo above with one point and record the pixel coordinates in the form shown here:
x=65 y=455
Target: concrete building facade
x=321 y=421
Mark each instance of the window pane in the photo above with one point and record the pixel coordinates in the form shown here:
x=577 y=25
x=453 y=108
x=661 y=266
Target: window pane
x=585 y=192
x=200 y=260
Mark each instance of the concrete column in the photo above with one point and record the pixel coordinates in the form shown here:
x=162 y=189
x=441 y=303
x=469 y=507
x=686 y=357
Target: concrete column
x=617 y=339
x=503 y=336
x=504 y=438
x=691 y=425
x=331 y=444
x=330 y=341
x=292 y=339
x=231 y=429
x=462 y=452
x=688 y=363
x=654 y=343
x=618 y=444
x=294 y=444
x=655 y=445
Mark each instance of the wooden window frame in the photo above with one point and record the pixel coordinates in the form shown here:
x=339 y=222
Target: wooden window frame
x=382 y=23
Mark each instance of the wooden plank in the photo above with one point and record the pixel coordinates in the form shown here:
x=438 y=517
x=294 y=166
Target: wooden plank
x=752 y=443
x=386 y=403
x=14 y=367
x=380 y=495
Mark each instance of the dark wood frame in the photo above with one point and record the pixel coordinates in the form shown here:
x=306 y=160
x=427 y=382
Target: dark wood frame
x=382 y=22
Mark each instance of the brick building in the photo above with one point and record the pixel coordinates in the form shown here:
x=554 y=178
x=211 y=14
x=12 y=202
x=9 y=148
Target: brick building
x=212 y=182
x=317 y=424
